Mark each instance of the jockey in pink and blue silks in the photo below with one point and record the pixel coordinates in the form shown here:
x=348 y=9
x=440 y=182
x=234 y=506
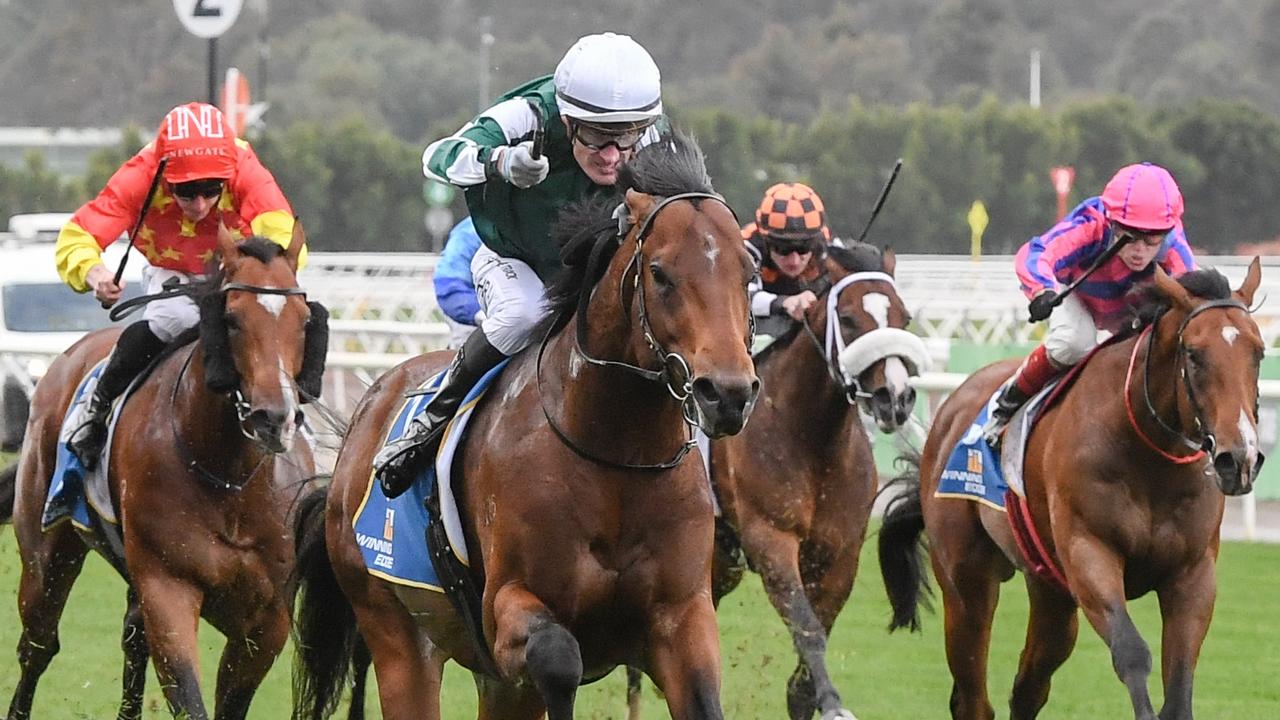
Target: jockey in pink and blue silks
x=1140 y=208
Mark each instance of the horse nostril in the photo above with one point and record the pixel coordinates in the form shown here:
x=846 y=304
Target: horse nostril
x=705 y=391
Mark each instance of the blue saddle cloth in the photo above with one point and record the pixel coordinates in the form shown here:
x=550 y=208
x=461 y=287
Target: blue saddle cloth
x=392 y=533
x=973 y=469
x=68 y=488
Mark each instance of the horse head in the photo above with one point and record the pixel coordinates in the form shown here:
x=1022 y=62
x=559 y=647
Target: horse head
x=692 y=271
x=865 y=340
x=263 y=342
x=1217 y=348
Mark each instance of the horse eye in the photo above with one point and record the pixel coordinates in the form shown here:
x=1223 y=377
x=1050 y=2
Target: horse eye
x=848 y=324
x=230 y=320
x=659 y=276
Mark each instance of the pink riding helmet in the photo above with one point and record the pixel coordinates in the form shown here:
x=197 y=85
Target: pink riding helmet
x=1143 y=197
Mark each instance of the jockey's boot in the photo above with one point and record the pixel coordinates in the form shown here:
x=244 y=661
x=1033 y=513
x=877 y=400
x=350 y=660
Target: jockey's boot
x=135 y=348
x=400 y=463
x=1036 y=372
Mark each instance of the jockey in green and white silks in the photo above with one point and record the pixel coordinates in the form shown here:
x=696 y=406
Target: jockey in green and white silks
x=603 y=102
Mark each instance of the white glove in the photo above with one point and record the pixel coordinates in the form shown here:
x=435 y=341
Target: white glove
x=516 y=165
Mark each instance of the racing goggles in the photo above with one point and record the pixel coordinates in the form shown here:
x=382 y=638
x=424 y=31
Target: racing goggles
x=1149 y=238
x=597 y=138
x=211 y=188
x=790 y=247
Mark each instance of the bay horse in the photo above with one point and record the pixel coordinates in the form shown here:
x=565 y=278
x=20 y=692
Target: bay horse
x=590 y=537
x=205 y=463
x=796 y=486
x=1125 y=481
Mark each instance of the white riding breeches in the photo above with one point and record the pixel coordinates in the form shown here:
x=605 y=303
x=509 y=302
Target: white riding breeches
x=512 y=297
x=1072 y=333
x=170 y=317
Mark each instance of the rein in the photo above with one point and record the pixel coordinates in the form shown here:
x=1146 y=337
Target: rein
x=830 y=349
x=675 y=374
x=1208 y=443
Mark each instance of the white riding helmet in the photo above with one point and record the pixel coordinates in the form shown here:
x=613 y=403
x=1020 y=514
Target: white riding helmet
x=609 y=78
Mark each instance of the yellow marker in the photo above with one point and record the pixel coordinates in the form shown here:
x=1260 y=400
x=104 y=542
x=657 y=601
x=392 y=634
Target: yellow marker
x=977 y=224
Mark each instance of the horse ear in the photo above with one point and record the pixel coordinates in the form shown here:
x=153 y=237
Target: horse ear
x=1173 y=290
x=640 y=205
x=1251 y=280
x=296 y=243
x=890 y=260
x=226 y=244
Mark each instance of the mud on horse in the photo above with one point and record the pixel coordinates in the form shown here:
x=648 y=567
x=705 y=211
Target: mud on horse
x=205 y=464
x=587 y=528
x=1125 y=483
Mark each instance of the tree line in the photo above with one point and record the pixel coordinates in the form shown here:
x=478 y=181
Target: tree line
x=360 y=188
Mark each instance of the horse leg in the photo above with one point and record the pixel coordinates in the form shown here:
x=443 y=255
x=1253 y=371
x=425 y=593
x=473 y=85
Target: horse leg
x=684 y=659
x=408 y=667
x=1097 y=576
x=500 y=700
x=828 y=580
x=1186 y=607
x=133 y=640
x=245 y=662
x=635 y=683
x=530 y=642
x=970 y=591
x=777 y=557
x=1051 y=635
x=47 y=576
x=170 y=614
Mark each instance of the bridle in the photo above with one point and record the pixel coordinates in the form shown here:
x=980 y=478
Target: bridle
x=1208 y=443
x=834 y=343
x=242 y=406
x=675 y=373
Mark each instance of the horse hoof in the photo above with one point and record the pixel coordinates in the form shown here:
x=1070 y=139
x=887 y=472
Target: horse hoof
x=838 y=714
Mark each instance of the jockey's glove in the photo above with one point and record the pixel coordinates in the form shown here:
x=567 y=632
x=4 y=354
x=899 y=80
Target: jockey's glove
x=516 y=165
x=1041 y=306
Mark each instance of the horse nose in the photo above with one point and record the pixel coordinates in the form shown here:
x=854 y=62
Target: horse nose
x=1232 y=480
x=724 y=403
x=905 y=403
x=268 y=426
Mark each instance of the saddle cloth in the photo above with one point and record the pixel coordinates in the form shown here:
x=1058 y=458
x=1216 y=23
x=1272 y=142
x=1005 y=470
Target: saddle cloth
x=75 y=492
x=392 y=532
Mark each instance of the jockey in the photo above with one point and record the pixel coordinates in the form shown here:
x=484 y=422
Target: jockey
x=1141 y=208
x=207 y=168
x=788 y=240
x=454 y=286
x=603 y=102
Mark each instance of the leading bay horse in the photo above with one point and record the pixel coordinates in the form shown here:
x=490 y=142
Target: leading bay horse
x=589 y=531
x=797 y=484
x=1125 y=480
x=205 y=462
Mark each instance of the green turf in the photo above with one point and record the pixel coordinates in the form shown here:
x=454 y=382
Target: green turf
x=880 y=676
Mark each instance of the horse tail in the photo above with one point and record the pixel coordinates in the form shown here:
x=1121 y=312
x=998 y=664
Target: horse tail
x=8 y=491
x=902 y=549
x=325 y=627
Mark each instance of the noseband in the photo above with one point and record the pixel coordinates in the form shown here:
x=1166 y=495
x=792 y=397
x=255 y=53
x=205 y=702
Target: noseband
x=830 y=349
x=675 y=373
x=1208 y=443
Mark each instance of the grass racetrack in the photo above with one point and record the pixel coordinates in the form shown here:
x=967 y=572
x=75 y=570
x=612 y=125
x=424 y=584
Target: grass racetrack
x=880 y=676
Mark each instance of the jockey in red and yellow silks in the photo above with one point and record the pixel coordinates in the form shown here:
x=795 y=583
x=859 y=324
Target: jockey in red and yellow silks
x=210 y=178
x=1141 y=208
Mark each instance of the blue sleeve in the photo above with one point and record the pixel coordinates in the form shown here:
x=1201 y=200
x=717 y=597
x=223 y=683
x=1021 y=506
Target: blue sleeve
x=455 y=290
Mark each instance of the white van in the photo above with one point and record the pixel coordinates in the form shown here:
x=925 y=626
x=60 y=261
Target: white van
x=39 y=318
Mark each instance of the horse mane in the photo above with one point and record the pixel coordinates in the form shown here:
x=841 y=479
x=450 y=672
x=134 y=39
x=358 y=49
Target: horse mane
x=1147 y=303
x=854 y=256
x=671 y=166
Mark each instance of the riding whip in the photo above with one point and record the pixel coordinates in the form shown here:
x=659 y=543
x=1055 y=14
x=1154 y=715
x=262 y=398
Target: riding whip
x=539 y=132
x=1106 y=255
x=133 y=236
x=875 y=211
